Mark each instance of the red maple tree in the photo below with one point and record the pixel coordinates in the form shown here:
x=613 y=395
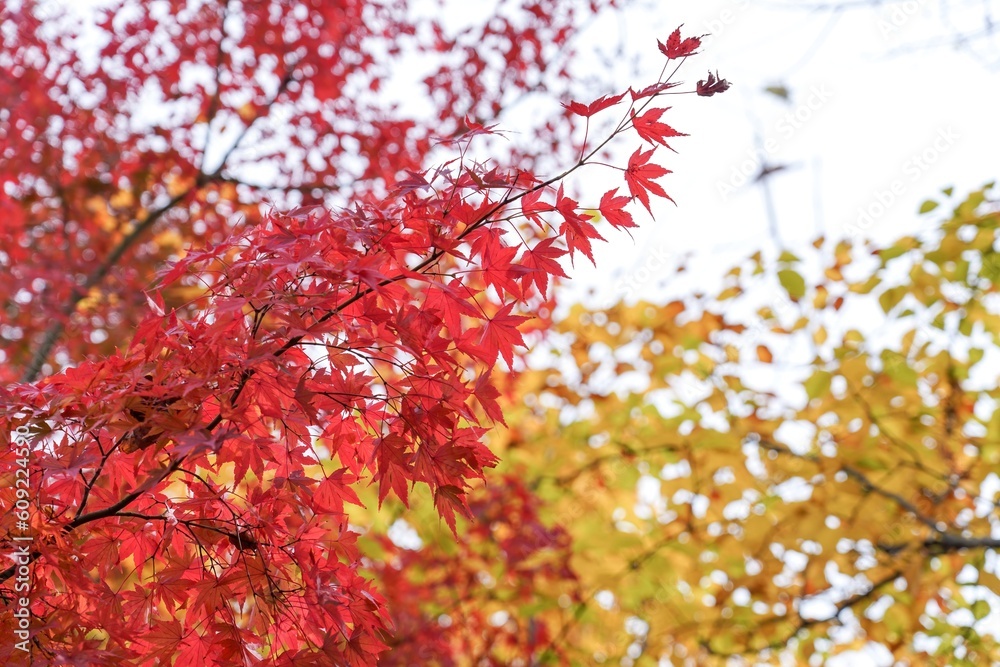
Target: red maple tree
x=238 y=283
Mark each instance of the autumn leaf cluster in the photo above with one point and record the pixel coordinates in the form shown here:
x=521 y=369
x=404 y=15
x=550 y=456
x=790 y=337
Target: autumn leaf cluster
x=244 y=291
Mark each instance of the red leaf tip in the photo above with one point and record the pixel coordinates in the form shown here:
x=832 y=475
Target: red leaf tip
x=676 y=47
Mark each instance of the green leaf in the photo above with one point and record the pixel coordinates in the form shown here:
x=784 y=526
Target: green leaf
x=928 y=206
x=867 y=286
x=890 y=298
x=778 y=91
x=892 y=252
x=818 y=384
x=788 y=257
x=793 y=283
x=871 y=463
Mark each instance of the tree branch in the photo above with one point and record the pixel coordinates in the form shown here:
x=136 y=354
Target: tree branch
x=805 y=623
x=56 y=329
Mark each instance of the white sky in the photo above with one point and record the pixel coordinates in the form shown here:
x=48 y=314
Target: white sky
x=880 y=112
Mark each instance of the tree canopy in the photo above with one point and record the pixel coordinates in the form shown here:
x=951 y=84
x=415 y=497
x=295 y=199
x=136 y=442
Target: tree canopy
x=241 y=285
x=798 y=465
x=282 y=382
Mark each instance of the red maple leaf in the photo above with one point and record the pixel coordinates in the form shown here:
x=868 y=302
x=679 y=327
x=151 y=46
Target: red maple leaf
x=576 y=228
x=335 y=490
x=497 y=262
x=195 y=651
x=472 y=127
x=448 y=499
x=650 y=91
x=677 y=47
x=541 y=259
x=640 y=174
x=362 y=650
x=447 y=301
x=600 y=104
x=392 y=467
x=500 y=335
x=613 y=209
x=532 y=207
x=712 y=85
x=650 y=128
x=487 y=394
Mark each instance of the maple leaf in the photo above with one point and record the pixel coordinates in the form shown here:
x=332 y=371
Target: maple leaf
x=712 y=85
x=366 y=270
x=487 y=394
x=414 y=181
x=676 y=47
x=612 y=207
x=448 y=499
x=640 y=174
x=594 y=107
x=164 y=638
x=650 y=128
x=362 y=650
x=391 y=467
x=576 y=228
x=532 y=207
x=500 y=335
x=471 y=127
x=541 y=259
x=450 y=304
x=496 y=261
x=335 y=490
x=650 y=91
x=195 y=650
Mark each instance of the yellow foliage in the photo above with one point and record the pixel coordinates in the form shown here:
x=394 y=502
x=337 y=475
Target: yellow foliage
x=715 y=513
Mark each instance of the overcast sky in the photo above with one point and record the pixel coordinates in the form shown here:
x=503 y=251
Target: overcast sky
x=874 y=123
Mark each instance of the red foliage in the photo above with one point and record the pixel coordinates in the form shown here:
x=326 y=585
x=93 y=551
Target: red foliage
x=711 y=85
x=437 y=598
x=205 y=380
x=650 y=128
x=677 y=47
x=640 y=174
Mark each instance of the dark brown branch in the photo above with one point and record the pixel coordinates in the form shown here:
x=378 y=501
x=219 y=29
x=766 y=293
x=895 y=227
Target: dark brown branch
x=89 y=484
x=56 y=329
x=864 y=482
x=109 y=511
x=806 y=623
